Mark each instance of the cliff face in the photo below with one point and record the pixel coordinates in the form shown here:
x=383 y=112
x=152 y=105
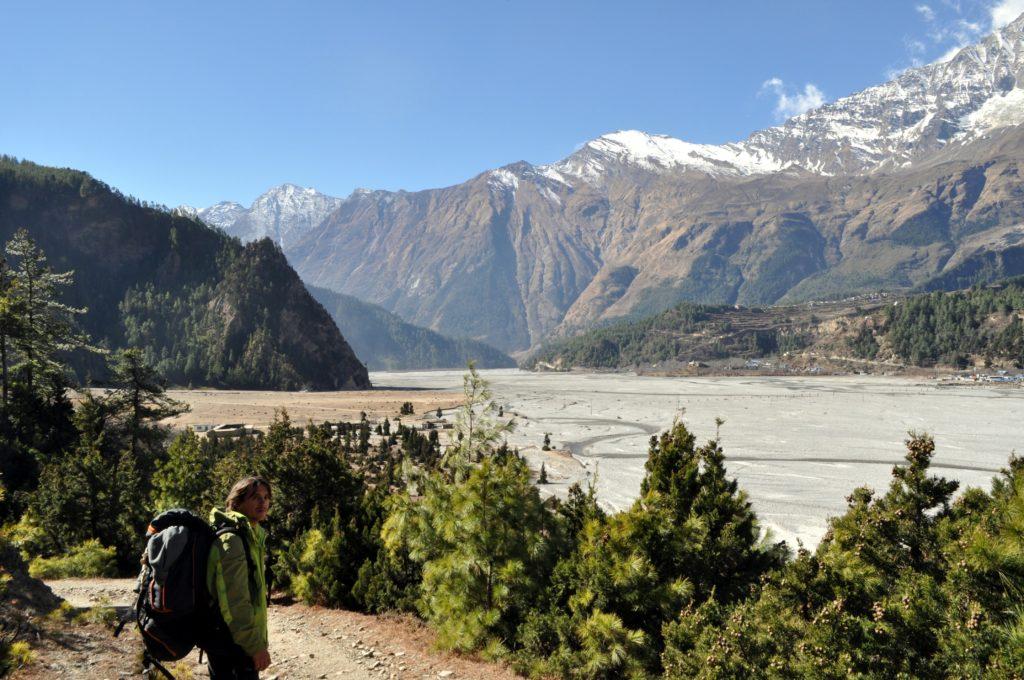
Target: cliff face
x=204 y=308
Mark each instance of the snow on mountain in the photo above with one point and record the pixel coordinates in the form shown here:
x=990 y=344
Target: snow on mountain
x=186 y=211
x=920 y=112
x=222 y=215
x=883 y=127
x=1000 y=111
x=283 y=214
x=503 y=179
x=660 y=152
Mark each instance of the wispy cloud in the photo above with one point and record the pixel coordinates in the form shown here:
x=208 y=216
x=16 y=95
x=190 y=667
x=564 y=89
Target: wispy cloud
x=950 y=25
x=1006 y=11
x=792 y=103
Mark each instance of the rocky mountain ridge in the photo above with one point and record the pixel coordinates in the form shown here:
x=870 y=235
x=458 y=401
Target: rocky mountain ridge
x=281 y=214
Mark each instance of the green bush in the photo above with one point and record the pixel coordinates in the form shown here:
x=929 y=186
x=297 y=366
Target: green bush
x=26 y=535
x=88 y=559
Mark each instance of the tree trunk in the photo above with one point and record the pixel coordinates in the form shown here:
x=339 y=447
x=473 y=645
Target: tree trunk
x=3 y=362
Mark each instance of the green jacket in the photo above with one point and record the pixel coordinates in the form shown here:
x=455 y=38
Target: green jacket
x=242 y=600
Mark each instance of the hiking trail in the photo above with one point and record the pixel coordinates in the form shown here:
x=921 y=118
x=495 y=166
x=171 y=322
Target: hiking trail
x=305 y=642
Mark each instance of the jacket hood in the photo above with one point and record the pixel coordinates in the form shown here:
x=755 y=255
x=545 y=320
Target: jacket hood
x=220 y=517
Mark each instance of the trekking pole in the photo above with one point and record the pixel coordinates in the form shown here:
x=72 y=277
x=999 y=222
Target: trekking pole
x=149 y=664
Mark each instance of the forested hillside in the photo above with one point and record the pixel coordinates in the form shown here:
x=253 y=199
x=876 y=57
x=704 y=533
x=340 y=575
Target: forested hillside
x=386 y=343
x=979 y=326
x=203 y=308
x=686 y=332
x=951 y=328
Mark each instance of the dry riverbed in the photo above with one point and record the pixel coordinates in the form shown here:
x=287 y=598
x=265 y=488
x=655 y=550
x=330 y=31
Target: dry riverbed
x=797 y=444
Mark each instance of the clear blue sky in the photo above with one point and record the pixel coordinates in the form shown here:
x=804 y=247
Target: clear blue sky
x=200 y=101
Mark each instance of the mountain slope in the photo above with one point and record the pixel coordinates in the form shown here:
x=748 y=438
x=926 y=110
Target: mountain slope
x=386 y=343
x=205 y=309
x=910 y=182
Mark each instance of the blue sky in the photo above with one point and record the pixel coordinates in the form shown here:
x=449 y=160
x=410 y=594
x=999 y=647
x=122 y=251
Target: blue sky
x=200 y=101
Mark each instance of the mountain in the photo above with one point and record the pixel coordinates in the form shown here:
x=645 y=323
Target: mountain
x=911 y=184
x=386 y=343
x=204 y=308
x=282 y=214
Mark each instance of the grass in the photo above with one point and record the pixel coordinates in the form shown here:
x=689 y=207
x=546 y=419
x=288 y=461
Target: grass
x=16 y=655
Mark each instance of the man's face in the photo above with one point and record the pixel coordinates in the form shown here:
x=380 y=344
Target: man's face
x=256 y=505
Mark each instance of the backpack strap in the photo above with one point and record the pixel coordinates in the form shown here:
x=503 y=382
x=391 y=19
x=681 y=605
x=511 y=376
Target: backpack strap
x=248 y=555
x=151 y=665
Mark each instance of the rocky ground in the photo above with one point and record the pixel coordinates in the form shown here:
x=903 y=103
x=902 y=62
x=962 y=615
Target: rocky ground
x=306 y=642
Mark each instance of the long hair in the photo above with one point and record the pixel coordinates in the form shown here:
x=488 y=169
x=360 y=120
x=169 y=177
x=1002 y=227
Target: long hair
x=244 y=488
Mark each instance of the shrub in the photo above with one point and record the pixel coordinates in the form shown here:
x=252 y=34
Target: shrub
x=88 y=559
x=26 y=535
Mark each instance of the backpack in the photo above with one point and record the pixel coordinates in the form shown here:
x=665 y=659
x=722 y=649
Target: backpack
x=174 y=609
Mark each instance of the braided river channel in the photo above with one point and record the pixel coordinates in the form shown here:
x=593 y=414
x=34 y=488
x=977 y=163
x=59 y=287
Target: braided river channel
x=797 y=445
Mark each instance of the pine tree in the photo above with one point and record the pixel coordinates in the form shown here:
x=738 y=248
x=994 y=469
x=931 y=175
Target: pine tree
x=479 y=530
x=691 y=537
x=93 y=490
x=482 y=543
x=185 y=478
x=543 y=477
x=874 y=600
x=141 y=400
x=476 y=432
x=11 y=326
x=48 y=323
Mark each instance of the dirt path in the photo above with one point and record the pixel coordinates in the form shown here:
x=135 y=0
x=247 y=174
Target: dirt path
x=306 y=642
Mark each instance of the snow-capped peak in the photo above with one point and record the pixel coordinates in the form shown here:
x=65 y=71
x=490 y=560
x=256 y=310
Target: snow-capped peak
x=660 y=152
x=883 y=127
x=186 y=211
x=221 y=215
x=282 y=214
x=503 y=179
